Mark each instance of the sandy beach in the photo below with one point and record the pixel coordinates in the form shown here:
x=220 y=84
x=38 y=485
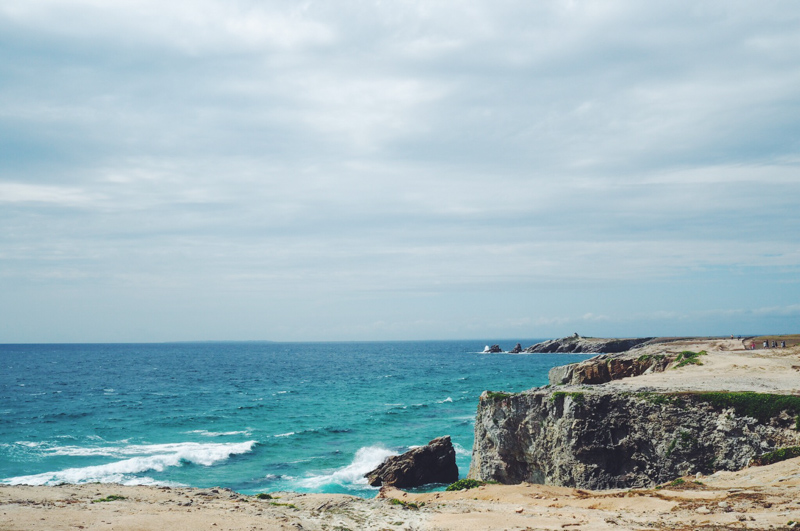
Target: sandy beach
x=765 y=497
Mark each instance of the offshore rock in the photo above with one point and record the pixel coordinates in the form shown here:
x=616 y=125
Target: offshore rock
x=434 y=463
x=578 y=344
x=494 y=349
x=516 y=350
x=599 y=439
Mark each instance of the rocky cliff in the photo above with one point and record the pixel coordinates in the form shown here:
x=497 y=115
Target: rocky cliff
x=595 y=438
x=607 y=367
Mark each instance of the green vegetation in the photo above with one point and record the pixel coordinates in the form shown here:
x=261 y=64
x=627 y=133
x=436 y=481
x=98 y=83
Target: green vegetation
x=677 y=482
x=462 y=484
x=289 y=505
x=578 y=398
x=760 y=406
x=263 y=496
x=405 y=504
x=493 y=395
x=777 y=456
x=113 y=497
x=687 y=357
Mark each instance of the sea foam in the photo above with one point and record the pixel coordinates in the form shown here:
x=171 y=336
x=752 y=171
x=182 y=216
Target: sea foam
x=155 y=457
x=352 y=475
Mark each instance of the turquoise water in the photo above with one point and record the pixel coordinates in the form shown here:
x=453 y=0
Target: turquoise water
x=254 y=417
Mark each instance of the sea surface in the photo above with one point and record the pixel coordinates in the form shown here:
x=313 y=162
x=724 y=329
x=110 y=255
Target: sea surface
x=253 y=417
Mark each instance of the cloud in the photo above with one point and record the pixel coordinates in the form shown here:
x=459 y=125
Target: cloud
x=376 y=151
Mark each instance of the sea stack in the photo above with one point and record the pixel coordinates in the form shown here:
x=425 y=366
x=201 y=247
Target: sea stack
x=434 y=463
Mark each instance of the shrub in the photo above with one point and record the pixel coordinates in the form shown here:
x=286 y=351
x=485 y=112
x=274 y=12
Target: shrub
x=760 y=406
x=462 y=484
x=494 y=395
x=405 y=504
x=263 y=496
x=113 y=497
x=782 y=454
x=687 y=357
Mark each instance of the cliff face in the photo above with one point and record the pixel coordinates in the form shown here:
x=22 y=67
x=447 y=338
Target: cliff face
x=590 y=438
x=605 y=368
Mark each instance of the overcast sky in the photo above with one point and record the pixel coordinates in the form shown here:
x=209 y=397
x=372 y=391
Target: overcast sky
x=358 y=170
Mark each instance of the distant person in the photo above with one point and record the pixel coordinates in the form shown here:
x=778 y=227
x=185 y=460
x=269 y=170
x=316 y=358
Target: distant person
x=752 y=345
x=783 y=344
x=766 y=344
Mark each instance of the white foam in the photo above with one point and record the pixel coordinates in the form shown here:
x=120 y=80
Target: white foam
x=448 y=399
x=352 y=475
x=155 y=457
x=206 y=433
x=287 y=434
x=460 y=450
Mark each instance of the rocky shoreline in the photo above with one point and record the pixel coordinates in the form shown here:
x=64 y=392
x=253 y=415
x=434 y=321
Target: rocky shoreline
x=666 y=435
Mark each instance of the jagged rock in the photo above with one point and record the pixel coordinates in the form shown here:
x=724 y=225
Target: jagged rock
x=516 y=350
x=494 y=349
x=575 y=436
x=434 y=463
x=605 y=368
x=577 y=344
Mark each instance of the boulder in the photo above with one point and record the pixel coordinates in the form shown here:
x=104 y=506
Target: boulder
x=494 y=349
x=434 y=463
x=516 y=350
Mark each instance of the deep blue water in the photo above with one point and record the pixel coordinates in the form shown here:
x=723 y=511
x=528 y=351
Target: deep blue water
x=255 y=417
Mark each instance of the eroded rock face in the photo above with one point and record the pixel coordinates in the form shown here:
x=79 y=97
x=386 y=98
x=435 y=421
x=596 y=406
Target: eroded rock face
x=588 y=438
x=605 y=368
x=434 y=463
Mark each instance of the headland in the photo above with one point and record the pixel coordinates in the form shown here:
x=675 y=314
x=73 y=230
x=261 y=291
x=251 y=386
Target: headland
x=684 y=434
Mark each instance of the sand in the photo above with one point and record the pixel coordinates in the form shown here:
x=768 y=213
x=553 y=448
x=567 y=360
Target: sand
x=755 y=498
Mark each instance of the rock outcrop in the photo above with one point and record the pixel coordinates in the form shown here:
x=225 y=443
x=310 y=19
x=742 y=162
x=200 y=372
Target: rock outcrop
x=584 y=437
x=607 y=367
x=578 y=344
x=516 y=350
x=434 y=463
x=494 y=349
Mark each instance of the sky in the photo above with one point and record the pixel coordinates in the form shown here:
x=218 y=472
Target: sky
x=371 y=170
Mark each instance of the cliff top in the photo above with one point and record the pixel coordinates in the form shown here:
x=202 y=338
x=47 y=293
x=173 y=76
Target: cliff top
x=691 y=364
x=726 y=366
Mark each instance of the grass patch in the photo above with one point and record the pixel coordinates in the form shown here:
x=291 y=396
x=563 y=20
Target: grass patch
x=263 y=496
x=648 y=357
x=760 y=406
x=578 y=398
x=113 y=497
x=496 y=396
x=777 y=456
x=687 y=357
x=462 y=484
x=289 y=505
x=406 y=505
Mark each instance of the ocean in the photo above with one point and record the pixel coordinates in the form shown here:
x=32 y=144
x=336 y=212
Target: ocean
x=252 y=416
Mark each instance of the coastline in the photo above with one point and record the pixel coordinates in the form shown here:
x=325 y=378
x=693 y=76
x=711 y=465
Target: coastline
x=754 y=498
x=763 y=497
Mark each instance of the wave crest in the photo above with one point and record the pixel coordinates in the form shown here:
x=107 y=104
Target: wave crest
x=162 y=456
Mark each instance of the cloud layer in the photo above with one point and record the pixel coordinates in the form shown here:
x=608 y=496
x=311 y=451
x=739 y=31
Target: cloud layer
x=371 y=170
